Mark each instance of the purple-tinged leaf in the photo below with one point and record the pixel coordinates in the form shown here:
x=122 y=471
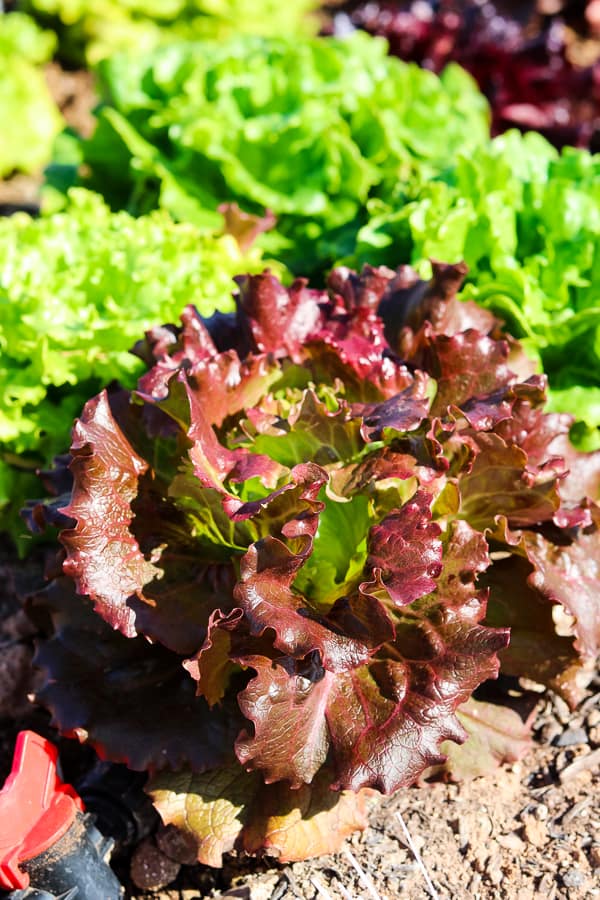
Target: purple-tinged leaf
x=496 y=735
x=569 y=573
x=287 y=703
x=212 y=666
x=405 y=553
x=275 y=319
x=468 y=368
x=404 y=411
x=536 y=651
x=103 y=556
x=131 y=701
x=499 y=483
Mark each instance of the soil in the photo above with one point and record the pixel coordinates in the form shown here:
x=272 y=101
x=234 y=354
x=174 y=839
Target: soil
x=528 y=831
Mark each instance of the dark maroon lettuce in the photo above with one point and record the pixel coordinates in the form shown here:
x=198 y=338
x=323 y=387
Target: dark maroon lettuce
x=296 y=550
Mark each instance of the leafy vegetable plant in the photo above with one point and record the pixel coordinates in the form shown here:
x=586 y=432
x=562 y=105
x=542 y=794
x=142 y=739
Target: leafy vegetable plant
x=310 y=129
x=526 y=220
x=76 y=291
x=292 y=554
x=93 y=30
x=30 y=117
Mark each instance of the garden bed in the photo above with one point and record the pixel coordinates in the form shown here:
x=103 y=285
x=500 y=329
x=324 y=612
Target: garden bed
x=530 y=830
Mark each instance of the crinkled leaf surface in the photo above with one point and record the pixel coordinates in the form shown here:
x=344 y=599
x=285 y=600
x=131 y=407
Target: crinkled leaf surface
x=315 y=561
x=570 y=575
x=536 y=650
x=106 y=277
x=192 y=125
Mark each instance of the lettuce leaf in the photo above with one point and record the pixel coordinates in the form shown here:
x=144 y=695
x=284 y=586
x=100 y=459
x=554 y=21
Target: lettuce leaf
x=76 y=291
x=91 y=31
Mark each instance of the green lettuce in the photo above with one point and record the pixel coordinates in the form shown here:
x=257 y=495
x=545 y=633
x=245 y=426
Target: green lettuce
x=310 y=129
x=526 y=220
x=30 y=117
x=77 y=289
x=94 y=29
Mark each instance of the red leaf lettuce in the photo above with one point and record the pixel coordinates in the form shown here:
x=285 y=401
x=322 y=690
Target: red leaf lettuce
x=307 y=532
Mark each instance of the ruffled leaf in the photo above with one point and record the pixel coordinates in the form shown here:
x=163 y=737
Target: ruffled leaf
x=131 y=701
x=103 y=556
x=495 y=735
x=231 y=809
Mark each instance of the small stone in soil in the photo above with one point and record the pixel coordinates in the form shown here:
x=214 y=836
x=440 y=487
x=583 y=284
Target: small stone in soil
x=563 y=713
x=534 y=831
x=573 y=878
x=550 y=731
x=511 y=841
x=571 y=737
x=595 y=856
x=150 y=868
x=178 y=846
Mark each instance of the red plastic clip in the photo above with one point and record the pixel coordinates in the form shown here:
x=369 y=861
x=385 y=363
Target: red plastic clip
x=36 y=808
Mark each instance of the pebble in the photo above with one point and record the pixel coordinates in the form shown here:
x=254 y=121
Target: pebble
x=563 y=713
x=550 y=731
x=546 y=884
x=570 y=737
x=493 y=871
x=177 y=845
x=264 y=887
x=593 y=718
x=595 y=856
x=534 y=831
x=511 y=841
x=576 y=810
x=150 y=868
x=573 y=878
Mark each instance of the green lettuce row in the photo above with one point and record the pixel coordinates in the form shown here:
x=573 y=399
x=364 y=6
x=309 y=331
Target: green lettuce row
x=365 y=159
x=310 y=129
x=30 y=117
x=94 y=29
x=77 y=290
x=526 y=219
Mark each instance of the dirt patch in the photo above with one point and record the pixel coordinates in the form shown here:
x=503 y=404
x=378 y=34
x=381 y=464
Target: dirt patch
x=75 y=95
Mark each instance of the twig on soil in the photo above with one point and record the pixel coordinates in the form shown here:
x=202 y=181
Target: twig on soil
x=343 y=891
x=581 y=764
x=418 y=857
x=323 y=892
x=364 y=878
